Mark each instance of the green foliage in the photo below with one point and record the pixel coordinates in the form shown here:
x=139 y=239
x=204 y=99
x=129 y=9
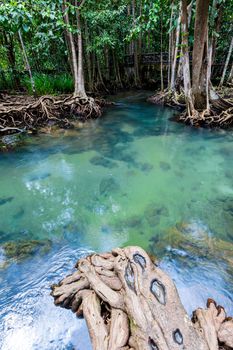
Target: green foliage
x=50 y=84
x=108 y=28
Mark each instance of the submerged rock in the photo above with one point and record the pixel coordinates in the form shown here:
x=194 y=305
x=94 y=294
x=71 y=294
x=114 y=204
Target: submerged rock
x=107 y=186
x=9 y=142
x=153 y=213
x=191 y=242
x=146 y=167
x=6 y=200
x=22 y=249
x=133 y=221
x=164 y=166
x=101 y=161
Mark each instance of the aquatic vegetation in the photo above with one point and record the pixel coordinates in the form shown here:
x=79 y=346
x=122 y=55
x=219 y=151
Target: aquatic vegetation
x=108 y=186
x=187 y=241
x=20 y=250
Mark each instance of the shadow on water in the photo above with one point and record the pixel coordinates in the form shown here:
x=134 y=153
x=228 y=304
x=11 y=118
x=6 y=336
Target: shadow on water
x=130 y=177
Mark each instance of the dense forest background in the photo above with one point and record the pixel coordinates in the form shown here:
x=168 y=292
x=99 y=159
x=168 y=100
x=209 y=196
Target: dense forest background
x=49 y=47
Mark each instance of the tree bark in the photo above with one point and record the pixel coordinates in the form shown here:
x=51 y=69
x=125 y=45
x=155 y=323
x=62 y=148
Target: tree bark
x=199 y=69
x=130 y=303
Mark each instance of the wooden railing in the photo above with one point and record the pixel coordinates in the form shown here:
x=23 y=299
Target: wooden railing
x=155 y=58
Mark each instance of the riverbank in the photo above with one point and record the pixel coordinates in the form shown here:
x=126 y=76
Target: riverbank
x=23 y=113
x=218 y=113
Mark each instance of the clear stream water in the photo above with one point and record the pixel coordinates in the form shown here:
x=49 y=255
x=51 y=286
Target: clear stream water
x=133 y=177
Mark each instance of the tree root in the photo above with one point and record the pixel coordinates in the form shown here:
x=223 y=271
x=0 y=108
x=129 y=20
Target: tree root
x=212 y=117
x=169 y=98
x=20 y=113
x=130 y=304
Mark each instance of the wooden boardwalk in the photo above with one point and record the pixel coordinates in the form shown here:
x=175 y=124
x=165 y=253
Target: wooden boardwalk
x=154 y=58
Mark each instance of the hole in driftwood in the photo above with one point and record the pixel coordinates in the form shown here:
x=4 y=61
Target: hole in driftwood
x=152 y=344
x=129 y=277
x=177 y=336
x=158 y=289
x=139 y=259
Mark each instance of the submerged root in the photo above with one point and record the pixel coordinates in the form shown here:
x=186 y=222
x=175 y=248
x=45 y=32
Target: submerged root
x=18 y=114
x=129 y=303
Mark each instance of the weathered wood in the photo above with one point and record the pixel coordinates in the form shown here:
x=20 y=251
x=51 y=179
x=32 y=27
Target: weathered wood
x=130 y=303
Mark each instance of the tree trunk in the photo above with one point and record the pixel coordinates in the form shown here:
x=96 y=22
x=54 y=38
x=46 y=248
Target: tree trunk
x=116 y=70
x=131 y=304
x=71 y=45
x=88 y=58
x=81 y=86
x=230 y=78
x=170 y=49
x=199 y=69
x=106 y=52
x=161 y=51
x=9 y=45
x=210 y=45
x=100 y=74
x=217 y=26
x=185 y=57
x=226 y=63
x=27 y=63
x=174 y=63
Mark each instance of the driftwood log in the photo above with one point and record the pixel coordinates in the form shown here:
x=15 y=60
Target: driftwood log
x=128 y=302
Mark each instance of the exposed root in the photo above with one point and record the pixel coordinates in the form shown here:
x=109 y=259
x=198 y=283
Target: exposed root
x=141 y=310
x=220 y=113
x=169 y=98
x=21 y=113
x=213 y=117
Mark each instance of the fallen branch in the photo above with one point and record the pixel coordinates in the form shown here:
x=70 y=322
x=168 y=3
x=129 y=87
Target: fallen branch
x=141 y=310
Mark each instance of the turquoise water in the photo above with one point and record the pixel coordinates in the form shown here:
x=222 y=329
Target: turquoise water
x=133 y=177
